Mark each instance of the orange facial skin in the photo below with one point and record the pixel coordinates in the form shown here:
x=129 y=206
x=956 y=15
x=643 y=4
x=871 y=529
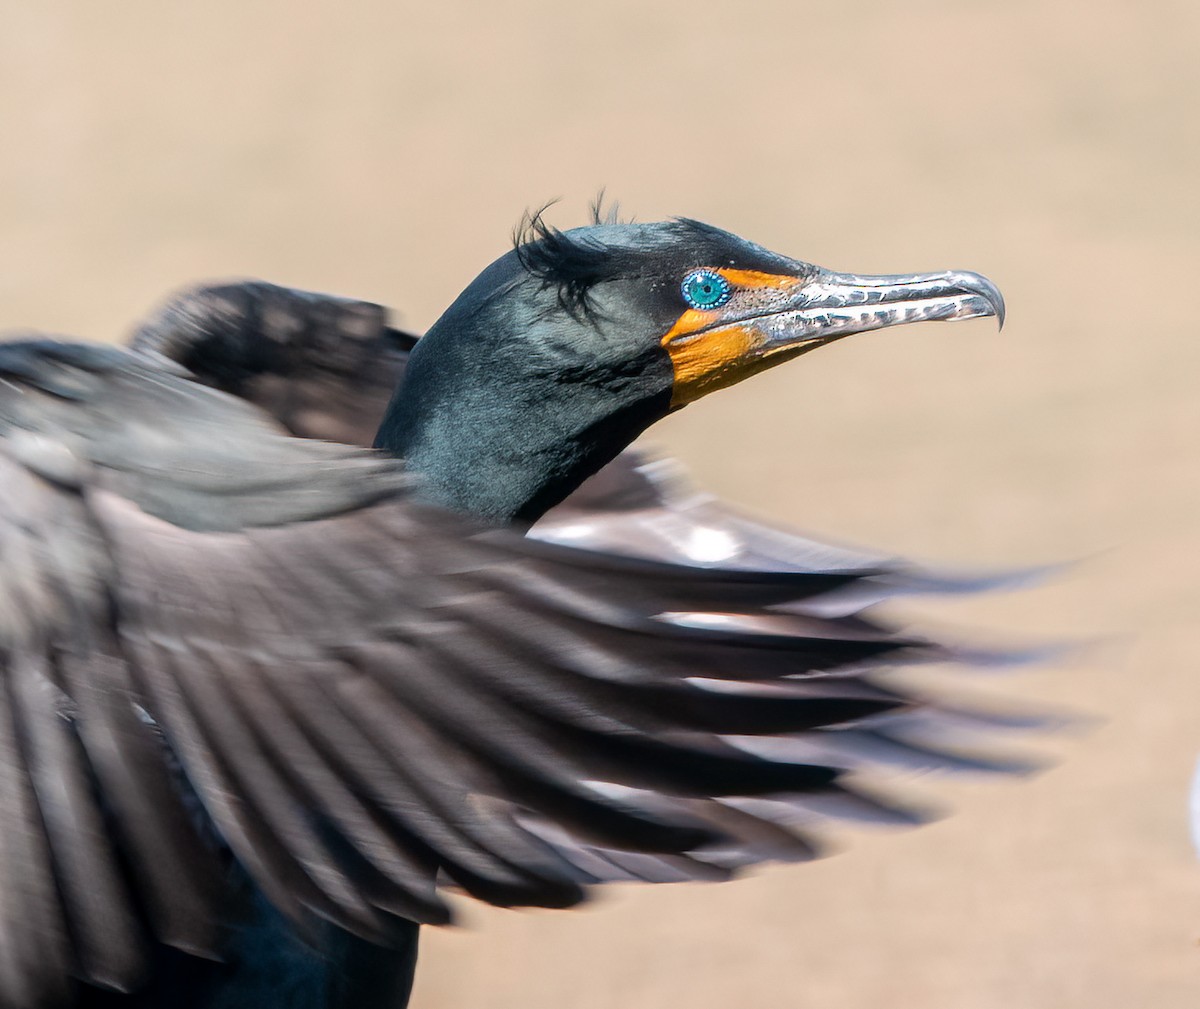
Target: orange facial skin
x=707 y=355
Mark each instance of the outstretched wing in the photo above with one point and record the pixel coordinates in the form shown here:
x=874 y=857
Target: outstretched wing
x=207 y=625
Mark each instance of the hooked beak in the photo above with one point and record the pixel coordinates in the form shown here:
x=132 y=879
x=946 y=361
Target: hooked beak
x=833 y=305
x=771 y=318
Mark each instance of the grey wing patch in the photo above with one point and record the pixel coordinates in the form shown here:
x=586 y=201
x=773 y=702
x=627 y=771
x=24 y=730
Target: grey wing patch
x=324 y=367
x=188 y=453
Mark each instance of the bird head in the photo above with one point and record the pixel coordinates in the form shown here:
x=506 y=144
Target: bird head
x=561 y=352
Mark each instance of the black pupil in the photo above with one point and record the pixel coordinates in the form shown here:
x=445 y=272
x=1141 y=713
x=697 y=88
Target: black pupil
x=704 y=289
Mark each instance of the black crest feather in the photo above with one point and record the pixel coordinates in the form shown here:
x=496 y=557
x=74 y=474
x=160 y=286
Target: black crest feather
x=606 y=215
x=571 y=264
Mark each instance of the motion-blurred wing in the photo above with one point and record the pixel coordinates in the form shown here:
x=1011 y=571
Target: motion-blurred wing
x=322 y=366
x=206 y=623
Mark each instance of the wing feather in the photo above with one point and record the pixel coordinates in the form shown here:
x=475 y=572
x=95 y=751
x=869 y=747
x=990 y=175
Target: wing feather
x=35 y=945
x=216 y=639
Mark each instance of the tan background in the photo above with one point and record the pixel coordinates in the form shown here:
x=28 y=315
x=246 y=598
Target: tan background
x=382 y=150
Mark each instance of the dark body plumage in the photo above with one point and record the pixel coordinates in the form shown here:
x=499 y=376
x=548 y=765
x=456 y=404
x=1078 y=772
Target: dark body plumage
x=263 y=695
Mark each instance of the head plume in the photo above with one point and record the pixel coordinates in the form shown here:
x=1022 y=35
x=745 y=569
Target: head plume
x=572 y=264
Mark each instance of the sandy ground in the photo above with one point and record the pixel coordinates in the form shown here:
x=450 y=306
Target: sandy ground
x=384 y=151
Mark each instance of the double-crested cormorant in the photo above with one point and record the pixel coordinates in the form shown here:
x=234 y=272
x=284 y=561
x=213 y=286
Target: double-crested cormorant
x=264 y=695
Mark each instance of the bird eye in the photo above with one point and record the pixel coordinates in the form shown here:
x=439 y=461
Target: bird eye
x=704 y=289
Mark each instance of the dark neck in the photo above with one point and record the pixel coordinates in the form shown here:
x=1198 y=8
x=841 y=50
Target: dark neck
x=511 y=462
x=499 y=438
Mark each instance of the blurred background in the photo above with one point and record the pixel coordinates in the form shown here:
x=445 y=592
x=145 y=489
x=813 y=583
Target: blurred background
x=385 y=150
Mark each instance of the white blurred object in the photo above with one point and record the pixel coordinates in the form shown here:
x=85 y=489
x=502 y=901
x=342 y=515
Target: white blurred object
x=1194 y=808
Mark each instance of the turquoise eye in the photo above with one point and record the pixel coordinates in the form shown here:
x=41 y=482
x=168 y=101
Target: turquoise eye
x=705 y=289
